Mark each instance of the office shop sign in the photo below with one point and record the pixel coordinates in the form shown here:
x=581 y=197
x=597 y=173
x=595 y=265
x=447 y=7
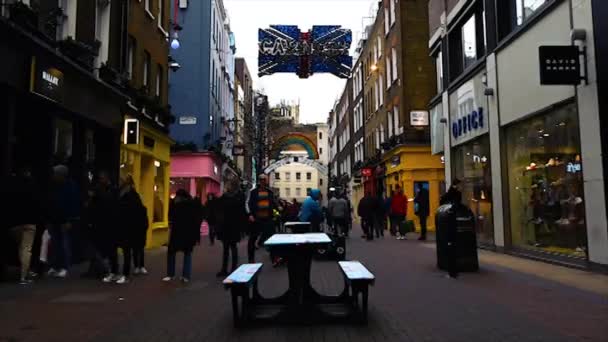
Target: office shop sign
x=47 y=81
x=468 y=118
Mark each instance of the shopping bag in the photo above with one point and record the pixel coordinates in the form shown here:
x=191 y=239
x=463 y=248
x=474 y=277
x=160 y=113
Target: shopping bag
x=44 y=246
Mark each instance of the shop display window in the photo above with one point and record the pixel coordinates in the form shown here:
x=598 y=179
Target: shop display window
x=472 y=166
x=545 y=173
x=127 y=162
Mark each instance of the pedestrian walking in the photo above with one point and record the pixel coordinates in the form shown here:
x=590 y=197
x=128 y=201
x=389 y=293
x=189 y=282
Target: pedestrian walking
x=398 y=213
x=129 y=236
x=210 y=215
x=24 y=213
x=232 y=220
x=380 y=217
x=63 y=213
x=185 y=219
x=311 y=210
x=422 y=209
x=367 y=211
x=260 y=206
x=101 y=223
x=454 y=194
x=338 y=212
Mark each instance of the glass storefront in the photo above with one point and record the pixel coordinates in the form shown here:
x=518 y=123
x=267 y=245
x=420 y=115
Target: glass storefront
x=545 y=173
x=472 y=166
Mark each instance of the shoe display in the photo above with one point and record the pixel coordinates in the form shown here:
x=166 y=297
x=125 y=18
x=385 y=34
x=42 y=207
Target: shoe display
x=185 y=280
x=25 y=281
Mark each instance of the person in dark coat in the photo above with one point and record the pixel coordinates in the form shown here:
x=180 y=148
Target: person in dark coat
x=210 y=213
x=100 y=222
x=130 y=233
x=63 y=210
x=367 y=210
x=232 y=221
x=185 y=219
x=23 y=214
x=422 y=209
x=260 y=207
x=453 y=195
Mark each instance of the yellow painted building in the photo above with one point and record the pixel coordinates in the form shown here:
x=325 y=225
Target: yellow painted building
x=148 y=161
x=407 y=165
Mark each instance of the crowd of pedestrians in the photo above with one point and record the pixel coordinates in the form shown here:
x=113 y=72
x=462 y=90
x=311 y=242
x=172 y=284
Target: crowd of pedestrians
x=112 y=222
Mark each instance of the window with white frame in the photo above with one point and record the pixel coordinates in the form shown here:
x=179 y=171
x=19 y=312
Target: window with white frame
x=387 y=21
x=393 y=5
x=161 y=11
x=381 y=91
x=526 y=8
x=394 y=61
x=147 y=5
x=130 y=56
x=396 y=127
x=439 y=71
x=377 y=95
x=388 y=67
x=389 y=120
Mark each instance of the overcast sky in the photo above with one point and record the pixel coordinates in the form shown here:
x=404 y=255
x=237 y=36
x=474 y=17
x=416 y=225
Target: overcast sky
x=318 y=93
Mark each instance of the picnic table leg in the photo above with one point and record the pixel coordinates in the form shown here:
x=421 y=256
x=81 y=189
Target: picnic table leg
x=235 y=307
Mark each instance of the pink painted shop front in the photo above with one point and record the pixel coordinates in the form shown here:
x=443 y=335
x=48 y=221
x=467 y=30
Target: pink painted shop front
x=198 y=173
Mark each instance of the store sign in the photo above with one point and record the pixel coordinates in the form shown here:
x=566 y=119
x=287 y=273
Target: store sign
x=47 y=81
x=367 y=172
x=419 y=118
x=574 y=167
x=187 y=120
x=470 y=122
x=559 y=65
x=468 y=118
x=286 y=49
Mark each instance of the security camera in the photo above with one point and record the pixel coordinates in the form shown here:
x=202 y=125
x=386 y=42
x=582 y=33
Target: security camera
x=174 y=66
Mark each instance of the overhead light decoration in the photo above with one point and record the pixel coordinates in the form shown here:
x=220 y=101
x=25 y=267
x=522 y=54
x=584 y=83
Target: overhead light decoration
x=175 y=42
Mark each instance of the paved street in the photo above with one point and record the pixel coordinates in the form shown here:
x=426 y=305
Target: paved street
x=411 y=301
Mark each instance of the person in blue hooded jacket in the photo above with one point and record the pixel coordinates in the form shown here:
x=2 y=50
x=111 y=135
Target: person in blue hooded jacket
x=311 y=210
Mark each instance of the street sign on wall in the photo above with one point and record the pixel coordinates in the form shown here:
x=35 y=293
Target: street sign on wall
x=560 y=65
x=286 y=49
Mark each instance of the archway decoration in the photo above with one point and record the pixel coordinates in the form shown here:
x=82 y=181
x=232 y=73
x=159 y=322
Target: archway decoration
x=286 y=161
x=294 y=139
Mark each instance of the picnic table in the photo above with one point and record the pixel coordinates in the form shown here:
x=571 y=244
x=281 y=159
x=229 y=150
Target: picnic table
x=301 y=302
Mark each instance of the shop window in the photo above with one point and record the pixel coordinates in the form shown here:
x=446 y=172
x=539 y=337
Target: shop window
x=159 y=191
x=467 y=42
x=63 y=140
x=472 y=166
x=545 y=174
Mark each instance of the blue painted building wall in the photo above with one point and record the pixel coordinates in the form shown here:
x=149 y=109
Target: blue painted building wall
x=190 y=86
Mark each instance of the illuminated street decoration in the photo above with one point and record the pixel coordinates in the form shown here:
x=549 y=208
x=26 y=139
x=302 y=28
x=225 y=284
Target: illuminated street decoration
x=286 y=49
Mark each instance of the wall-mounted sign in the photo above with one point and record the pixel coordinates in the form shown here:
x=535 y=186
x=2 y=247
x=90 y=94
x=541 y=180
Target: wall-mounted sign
x=46 y=81
x=367 y=172
x=468 y=123
x=286 y=49
x=187 y=120
x=419 y=118
x=468 y=118
x=559 y=65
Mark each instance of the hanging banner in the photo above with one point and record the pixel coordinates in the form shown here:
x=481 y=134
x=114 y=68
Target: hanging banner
x=286 y=49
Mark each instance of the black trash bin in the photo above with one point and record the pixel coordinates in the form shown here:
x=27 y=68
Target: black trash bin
x=456 y=224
